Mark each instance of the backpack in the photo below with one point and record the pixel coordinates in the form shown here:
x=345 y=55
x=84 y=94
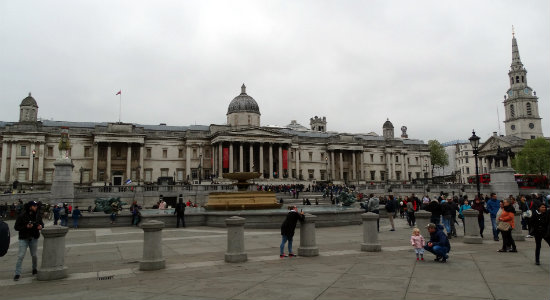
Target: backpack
x=62 y=211
x=4 y=238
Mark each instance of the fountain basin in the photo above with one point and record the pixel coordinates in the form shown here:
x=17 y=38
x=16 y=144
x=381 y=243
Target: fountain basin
x=242 y=201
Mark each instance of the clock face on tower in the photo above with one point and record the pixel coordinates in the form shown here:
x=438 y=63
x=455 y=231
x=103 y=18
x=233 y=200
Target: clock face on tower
x=510 y=93
x=531 y=125
x=526 y=91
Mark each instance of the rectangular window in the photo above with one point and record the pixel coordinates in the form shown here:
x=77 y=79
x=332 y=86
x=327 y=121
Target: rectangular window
x=322 y=156
x=180 y=153
x=292 y=155
x=408 y=160
x=323 y=174
x=207 y=153
x=372 y=175
x=100 y=175
x=466 y=160
x=22 y=174
x=466 y=153
x=180 y=174
x=381 y=158
x=87 y=152
x=148 y=153
x=310 y=156
x=194 y=173
x=416 y=158
x=468 y=170
x=164 y=153
x=409 y=176
x=417 y=174
x=164 y=172
x=398 y=175
x=397 y=158
x=206 y=173
x=23 y=151
x=382 y=175
x=194 y=153
x=148 y=175
x=311 y=172
x=86 y=176
x=372 y=158
x=50 y=151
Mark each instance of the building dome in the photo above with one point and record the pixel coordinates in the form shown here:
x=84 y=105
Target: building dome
x=29 y=101
x=243 y=103
x=387 y=124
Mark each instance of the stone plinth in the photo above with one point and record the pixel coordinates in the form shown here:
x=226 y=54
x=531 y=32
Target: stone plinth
x=235 y=240
x=152 y=246
x=471 y=224
x=62 y=189
x=370 y=233
x=53 y=253
x=422 y=220
x=503 y=182
x=308 y=243
x=517 y=233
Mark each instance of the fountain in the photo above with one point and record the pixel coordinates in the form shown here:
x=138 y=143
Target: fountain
x=243 y=199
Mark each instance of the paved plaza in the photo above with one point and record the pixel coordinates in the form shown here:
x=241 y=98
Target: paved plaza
x=103 y=264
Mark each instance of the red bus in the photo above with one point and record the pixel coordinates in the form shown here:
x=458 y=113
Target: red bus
x=524 y=181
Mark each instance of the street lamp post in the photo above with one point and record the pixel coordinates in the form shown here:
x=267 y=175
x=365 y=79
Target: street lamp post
x=474 y=141
x=200 y=168
x=32 y=171
x=81 y=171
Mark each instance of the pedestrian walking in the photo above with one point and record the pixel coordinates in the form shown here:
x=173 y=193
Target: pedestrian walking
x=540 y=229
x=391 y=208
x=76 y=216
x=28 y=224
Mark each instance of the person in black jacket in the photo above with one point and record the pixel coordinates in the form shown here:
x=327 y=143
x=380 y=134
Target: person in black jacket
x=28 y=223
x=540 y=229
x=180 y=213
x=435 y=208
x=288 y=227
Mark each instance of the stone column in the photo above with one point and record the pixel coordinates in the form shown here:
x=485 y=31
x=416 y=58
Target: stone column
x=517 y=233
x=308 y=244
x=297 y=157
x=53 y=253
x=388 y=167
x=188 y=162
x=270 y=161
x=472 y=227
x=32 y=167
x=393 y=167
x=141 y=170
x=403 y=171
x=231 y=157
x=341 y=165
x=4 y=161
x=152 y=246
x=332 y=171
x=241 y=158
x=353 y=166
x=261 y=160
x=280 y=171
x=220 y=160
x=251 y=158
x=235 y=240
x=108 y=175
x=370 y=233
x=422 y=220
x=406 y=167
x=13 y=166
x=129 y=161
x=41 y=155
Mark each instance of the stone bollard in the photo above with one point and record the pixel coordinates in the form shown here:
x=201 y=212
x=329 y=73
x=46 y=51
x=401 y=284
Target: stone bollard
x=53 y=253
x=422 y=220
x=308 y=244
x=370 y=233
x=235 y=240
x=152 y=246
x=471 y=225
x=517 y=233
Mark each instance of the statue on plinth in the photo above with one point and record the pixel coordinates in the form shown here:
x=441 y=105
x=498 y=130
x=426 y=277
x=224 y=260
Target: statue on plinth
x=64 y=143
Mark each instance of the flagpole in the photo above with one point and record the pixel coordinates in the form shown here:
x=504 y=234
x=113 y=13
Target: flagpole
x=120 y=106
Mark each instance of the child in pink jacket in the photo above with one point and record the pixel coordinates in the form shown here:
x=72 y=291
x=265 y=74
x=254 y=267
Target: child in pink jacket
x=418 y=242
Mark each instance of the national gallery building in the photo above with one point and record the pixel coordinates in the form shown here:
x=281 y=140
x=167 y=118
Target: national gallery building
x=113 y=153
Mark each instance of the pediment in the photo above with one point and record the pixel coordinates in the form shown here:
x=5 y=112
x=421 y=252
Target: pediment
x=493 y=143
x=248 y=132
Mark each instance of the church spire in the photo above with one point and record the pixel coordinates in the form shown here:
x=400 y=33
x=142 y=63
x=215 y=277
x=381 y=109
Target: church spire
x=516 y=60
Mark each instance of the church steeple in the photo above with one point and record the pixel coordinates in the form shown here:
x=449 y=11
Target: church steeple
x=520 y=102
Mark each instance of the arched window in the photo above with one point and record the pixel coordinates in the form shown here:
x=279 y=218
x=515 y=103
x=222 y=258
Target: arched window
x=512 y=111
x=522 y=78
x=517 y=79
x=528 y=107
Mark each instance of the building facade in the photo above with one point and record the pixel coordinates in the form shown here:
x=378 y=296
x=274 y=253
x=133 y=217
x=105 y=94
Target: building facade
x=113 y=153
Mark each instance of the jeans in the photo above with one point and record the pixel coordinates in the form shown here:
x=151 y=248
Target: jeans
x=494 y=223
x=439 y=251
x=447 y=224
x=481 y=223
x=75 y=222
x=23 y=244
x=64 y=220
x=538 y=244
x=285 y=239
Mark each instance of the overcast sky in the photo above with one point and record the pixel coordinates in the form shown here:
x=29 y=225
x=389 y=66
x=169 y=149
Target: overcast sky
x=438 y=67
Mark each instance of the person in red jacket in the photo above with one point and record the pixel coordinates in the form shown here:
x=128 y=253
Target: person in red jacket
x=508 y=217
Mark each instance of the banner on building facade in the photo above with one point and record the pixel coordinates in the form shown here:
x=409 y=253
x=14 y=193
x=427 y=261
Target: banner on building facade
x=285 y=159
x=226 y=158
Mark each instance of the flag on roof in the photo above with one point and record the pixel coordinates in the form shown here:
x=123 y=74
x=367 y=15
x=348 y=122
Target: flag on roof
x=119 y=92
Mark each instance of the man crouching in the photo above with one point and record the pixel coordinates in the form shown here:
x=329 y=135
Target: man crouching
x=439 y=244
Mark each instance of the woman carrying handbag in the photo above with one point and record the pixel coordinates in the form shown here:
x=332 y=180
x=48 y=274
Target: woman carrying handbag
x=506 y=225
